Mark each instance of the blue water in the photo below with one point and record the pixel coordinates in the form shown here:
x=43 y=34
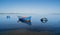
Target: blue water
x=52 y=25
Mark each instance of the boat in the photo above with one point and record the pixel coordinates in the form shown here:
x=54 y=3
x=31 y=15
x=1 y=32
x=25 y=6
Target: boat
x=24 y=19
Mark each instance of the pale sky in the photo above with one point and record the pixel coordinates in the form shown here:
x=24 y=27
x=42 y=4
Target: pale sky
x=30 y=6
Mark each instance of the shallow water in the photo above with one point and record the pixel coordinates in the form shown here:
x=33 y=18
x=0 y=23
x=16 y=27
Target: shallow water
x=52 y=25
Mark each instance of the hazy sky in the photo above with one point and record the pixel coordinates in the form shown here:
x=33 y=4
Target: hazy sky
x=30 y=6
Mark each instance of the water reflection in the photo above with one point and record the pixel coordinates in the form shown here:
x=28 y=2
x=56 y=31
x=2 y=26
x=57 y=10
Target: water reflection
x=35 y=25
x=8 y=17
x=29 y=23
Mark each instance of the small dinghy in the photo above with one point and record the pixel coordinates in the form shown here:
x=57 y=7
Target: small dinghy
x=24 y=19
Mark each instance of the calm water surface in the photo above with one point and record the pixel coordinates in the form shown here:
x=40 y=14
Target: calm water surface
x=53 y=23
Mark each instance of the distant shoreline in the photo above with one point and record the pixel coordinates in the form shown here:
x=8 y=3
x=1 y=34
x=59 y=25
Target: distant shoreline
x=14 y=13
x=10 y=13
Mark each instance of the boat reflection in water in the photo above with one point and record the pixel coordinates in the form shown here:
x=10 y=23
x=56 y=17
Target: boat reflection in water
x=24 y=19
x=8 y=17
